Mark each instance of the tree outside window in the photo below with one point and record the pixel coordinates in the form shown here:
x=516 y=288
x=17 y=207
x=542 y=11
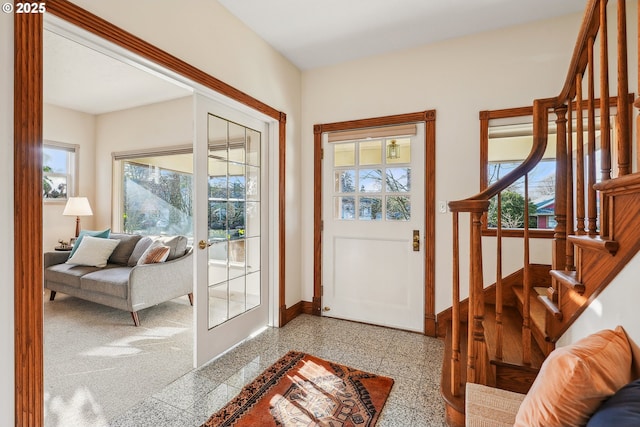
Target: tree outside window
x=59 y=169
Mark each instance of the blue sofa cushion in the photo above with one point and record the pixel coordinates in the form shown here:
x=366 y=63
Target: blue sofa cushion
x=620 y=410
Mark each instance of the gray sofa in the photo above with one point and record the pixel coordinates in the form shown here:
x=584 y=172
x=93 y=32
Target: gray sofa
x=123 y=284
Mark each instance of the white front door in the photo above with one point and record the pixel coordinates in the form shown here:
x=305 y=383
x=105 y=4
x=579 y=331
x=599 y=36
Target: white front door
x=373 y=209
x=231 y=227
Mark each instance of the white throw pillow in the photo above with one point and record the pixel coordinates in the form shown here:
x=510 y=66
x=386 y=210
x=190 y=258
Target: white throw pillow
x=93 y=251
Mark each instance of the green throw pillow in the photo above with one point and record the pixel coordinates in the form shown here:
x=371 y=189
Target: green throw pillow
x=93 y=233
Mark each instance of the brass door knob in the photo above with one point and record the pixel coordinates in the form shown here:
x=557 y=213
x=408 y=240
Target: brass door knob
x=202 y=244
x=416 y=240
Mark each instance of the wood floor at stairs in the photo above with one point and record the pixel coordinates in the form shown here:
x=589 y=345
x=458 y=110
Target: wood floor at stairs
x=510 y=372
x=538 y=318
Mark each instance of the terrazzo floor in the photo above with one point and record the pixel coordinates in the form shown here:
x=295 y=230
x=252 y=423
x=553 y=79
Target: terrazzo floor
x=412 y=360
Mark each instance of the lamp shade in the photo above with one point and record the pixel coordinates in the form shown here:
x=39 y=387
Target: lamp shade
x=77 y=206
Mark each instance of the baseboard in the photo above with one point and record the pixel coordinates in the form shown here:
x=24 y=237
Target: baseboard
x=301 y=307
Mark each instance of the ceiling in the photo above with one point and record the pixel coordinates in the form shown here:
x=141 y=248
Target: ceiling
x=82 y=79
x=310 y=33
x=317 y=33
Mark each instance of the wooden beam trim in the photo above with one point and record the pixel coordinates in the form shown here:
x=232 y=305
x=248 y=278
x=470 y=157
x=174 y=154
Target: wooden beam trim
x=28 y=298
x=104 y=29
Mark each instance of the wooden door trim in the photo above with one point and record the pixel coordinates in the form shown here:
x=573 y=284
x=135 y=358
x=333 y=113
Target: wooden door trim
x=28 y=135
x=429 y=119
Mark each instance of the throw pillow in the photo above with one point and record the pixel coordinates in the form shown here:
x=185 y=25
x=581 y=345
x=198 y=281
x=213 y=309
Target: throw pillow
x=156 y=253
x=574 y=380
x=94 y=233
x=621 y=410
x=177 y=245
x=142 y=245
x=123 y=251
x=93 y=251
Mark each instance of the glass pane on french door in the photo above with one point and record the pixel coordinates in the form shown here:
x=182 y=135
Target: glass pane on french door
x=233 y=220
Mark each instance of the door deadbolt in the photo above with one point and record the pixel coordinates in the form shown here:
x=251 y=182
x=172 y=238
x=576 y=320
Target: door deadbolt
x=416 y=240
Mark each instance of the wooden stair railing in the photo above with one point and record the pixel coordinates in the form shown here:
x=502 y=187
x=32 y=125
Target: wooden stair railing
x=592 y=211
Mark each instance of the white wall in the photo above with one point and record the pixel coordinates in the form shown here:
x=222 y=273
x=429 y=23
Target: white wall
x=71 y=127
x=7 y=385
x=458 y=78
x=158 y=125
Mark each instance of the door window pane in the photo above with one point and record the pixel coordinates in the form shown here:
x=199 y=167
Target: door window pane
x=370 y=153
x=344 y=207
x=398 y=180
x=370 y=180
x=253 y=147
x=345 y=181
x=401 y=152
x=398 y=208
x=344 y=154
x=370 y=208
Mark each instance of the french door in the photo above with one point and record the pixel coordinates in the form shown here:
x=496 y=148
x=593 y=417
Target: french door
x=373 y=228
x=231 y=227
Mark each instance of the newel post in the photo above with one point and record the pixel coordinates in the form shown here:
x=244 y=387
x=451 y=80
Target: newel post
x=476 y=346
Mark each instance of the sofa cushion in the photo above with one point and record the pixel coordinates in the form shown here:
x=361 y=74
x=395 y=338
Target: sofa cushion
x=574 y=380
x=94 y=233
x=93 y=251
x=67 y=274
x=177 y=245
x=123 y=251
x=142 y=245
x=620 y=410
x=110 y=281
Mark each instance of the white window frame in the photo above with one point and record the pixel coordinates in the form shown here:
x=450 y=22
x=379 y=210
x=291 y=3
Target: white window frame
x=72 y=175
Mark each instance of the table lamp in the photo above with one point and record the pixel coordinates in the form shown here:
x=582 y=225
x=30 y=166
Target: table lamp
x=77 y=206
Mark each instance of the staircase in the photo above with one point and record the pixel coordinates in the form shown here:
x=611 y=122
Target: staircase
x=501 y=334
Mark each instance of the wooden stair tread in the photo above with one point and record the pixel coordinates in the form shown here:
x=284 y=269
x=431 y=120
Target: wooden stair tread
x=568 y=279
x=537 y=314
x=511 y=338
x=595 y=242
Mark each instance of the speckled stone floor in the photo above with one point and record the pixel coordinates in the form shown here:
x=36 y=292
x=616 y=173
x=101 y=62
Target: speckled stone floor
x=412 y=360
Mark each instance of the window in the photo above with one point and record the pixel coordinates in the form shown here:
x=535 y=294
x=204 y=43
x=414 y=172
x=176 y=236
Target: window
x=506 y=140
x=155 y=193
x=59 y=170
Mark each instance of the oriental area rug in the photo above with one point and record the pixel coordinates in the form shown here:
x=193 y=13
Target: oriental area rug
x=304 y=390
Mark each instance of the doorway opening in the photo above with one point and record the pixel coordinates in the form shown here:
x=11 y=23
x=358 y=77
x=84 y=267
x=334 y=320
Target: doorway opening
x=28 y=143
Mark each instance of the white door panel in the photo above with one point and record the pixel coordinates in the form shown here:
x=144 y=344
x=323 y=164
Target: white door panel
x=230 y=206
x=372 y=205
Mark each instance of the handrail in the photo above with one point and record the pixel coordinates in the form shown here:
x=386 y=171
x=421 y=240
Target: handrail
x=540 y=133
x=588 y=29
